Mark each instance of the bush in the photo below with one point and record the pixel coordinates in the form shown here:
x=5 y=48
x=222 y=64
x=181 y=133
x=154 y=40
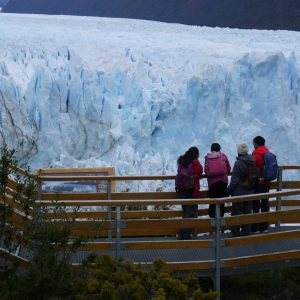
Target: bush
x=103 y=277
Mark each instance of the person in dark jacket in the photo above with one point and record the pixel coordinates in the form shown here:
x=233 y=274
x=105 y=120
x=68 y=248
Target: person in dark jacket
x=190 y=160
x=217 y=184
x=263 y=186
x=236 y=188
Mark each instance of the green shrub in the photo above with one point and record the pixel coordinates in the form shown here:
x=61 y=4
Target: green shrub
x=103 y=277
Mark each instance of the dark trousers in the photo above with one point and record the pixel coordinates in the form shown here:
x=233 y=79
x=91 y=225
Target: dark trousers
x=189 y=211
x=217 y=190
x=241 y=208
x=261 y=205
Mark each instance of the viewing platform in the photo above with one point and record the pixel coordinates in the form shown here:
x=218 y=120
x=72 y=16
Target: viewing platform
x=121 y=224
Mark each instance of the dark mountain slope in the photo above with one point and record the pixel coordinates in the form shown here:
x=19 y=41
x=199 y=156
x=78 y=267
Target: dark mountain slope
x=259 y=14
x=3 y=2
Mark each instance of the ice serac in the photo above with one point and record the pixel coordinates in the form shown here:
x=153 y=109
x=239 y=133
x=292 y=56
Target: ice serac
x=134 y=94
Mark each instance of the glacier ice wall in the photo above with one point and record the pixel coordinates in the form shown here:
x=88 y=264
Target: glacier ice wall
x=80 y=91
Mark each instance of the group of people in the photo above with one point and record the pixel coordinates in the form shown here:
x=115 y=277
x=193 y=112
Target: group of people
x=247 y=177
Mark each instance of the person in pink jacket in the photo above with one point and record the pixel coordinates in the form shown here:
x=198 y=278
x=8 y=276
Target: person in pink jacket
x=217 y=168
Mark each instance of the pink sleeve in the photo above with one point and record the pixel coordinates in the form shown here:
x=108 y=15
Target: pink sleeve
x=205 y=165
x=228 y=167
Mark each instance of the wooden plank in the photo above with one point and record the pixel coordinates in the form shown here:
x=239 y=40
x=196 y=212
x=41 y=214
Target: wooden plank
x=169 y=224
x=152 y=214
x=96 y=246
x=12 y=184
x=90 y=225
x=144 y=232
x=291 y=167
x=151 y=245
x=262 y=238
x=260 y=196
x=114 y=203
x=46 y=174
x=125 y=233
x=17 y=221
x=23 y=172
x=274 y=216
x=104 y=178
x=191 y=265
x=295 y=220
x=148 y=227
x=261 y=259
x=17 y=206
x=78 y=215
x=290 y=202
x=23 y=263
x=74 y=233
x=115 y=196
x=73 y=196
x=172 y=201
x=291 y=184
x=151 y=195
x=124 y=214
x=164 y=232
x=148 y=245
x=285 y=203
x=104 y=196
x=139 y=214
x=47 y=171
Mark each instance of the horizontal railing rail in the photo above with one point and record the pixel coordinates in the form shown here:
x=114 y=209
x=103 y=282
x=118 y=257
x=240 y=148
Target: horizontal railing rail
x=289 y=167
x=117 y=203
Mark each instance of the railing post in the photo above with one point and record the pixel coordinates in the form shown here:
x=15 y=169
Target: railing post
x=118 y=231
x=278 y=199
x=109 y=210
x=36 y=215
x=217 y=251
x=37 y=209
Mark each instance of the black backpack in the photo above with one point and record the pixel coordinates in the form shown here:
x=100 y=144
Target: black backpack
x=250 y=178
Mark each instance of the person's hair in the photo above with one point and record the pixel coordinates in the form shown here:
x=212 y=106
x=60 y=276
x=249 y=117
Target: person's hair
x=215 y=147
x=259 y=140
x=188 y=157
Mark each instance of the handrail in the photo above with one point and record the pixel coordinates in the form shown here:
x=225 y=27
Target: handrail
x=24 y=172
x=289 y=167
x=133 y=177
x=112 y=178
x=117 y=203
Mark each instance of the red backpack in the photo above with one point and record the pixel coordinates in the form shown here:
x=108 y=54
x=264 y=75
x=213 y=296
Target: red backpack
x=215 y=164
x=185 y=177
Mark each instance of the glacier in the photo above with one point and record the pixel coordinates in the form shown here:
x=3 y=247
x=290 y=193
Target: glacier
x=92 y=92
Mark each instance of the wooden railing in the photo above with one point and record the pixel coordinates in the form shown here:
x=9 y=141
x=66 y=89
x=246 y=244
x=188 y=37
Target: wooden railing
x=117 y=223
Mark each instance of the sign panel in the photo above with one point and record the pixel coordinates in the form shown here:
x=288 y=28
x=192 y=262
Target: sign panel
x=76 y=186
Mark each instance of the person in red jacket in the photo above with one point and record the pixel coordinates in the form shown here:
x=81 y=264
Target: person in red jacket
x=263 y=186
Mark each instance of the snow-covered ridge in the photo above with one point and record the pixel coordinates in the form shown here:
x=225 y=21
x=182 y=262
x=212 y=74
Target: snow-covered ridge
x=82 y=91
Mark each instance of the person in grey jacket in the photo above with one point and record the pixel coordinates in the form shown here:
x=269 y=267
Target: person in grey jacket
x=237 y=188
